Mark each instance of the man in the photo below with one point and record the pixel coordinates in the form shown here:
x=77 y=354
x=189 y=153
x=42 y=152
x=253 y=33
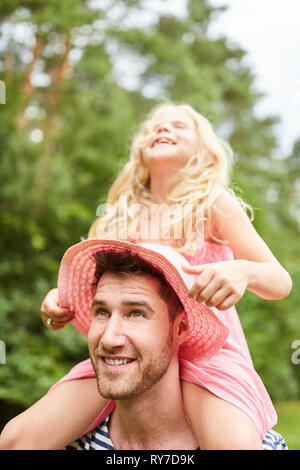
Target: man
x=141 y=317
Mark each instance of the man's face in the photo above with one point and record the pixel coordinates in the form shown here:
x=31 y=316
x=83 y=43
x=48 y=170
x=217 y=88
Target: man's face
x=130 y=337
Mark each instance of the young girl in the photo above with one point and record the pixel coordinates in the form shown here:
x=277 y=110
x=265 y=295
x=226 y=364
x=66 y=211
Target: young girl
x=178 y=160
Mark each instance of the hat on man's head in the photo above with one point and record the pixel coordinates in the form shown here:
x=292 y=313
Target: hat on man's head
x=77 y=287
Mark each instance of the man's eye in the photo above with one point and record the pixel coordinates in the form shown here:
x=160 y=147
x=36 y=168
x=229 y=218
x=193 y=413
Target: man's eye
x=101 y=312
x=137 y=314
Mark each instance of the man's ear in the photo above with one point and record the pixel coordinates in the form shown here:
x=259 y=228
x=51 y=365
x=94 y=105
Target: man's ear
x=181 y=328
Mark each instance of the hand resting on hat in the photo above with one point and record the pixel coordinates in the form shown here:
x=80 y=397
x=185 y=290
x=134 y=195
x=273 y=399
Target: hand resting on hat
x=220 y=284
x=50 y=310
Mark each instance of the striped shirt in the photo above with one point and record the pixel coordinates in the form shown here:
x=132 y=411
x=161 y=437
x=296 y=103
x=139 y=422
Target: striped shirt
x=99 y=439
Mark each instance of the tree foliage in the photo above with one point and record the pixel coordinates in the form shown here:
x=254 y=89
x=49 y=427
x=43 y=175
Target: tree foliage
x=79 y=78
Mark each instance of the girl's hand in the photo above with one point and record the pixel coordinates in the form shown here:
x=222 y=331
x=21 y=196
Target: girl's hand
x=220 y=284
x=50 y=310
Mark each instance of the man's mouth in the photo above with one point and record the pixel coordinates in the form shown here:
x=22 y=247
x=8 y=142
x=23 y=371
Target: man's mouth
x=116 y=362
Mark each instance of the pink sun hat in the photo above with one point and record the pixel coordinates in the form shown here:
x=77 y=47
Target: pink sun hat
x=77 y=288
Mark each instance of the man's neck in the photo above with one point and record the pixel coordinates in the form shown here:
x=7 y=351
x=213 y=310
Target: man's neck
x=156 y=420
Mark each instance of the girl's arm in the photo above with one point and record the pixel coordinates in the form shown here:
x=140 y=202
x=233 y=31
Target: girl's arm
x=57 y=419
x=222 y=284
x=267 y=278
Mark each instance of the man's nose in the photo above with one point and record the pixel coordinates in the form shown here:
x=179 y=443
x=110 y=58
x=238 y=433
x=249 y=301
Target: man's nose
x=113 y=336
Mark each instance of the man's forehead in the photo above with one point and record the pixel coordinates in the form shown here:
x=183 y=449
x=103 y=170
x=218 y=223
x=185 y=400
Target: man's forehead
x=129 y=284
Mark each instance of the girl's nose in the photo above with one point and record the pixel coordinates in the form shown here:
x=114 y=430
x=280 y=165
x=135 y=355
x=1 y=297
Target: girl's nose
x=163 y=127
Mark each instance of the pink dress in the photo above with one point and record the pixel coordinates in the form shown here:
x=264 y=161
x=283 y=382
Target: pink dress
x=229 y=374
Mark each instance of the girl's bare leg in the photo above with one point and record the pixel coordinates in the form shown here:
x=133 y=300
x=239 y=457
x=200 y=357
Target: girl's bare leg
x=217 y=424
x=57 y=419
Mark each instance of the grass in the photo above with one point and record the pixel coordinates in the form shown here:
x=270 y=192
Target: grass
x=289 y=422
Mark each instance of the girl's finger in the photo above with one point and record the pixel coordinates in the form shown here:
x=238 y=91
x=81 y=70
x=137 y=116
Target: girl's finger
x=219 y=297
x=55 y=327
x=54 y=311
x=201 y=283
x=194 y=269
x=63 y=318
x=59 y=322
x=212 y=287
x=53 y=324
x=229 y=302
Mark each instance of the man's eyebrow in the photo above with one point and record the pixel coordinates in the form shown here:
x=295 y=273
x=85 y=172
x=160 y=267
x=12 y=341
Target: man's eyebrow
x=126 y=303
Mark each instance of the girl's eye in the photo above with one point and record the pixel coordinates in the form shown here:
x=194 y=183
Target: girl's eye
x=180 y=125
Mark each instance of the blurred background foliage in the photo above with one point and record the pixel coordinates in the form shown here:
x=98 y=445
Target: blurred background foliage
x=80 y=76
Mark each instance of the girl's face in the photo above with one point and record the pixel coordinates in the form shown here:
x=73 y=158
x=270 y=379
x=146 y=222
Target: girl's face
x=172 y=136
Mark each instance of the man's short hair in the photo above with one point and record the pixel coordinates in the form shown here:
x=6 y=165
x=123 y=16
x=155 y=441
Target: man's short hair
x=125 y=264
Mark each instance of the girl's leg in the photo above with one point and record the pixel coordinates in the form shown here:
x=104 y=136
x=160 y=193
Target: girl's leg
x=57 y=419
x=217 y=424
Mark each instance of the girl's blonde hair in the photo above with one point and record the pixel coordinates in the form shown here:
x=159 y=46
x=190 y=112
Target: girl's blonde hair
x=198 y=184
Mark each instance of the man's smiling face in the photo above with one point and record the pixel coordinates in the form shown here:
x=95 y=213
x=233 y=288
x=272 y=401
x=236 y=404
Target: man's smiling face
x=130 y=337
